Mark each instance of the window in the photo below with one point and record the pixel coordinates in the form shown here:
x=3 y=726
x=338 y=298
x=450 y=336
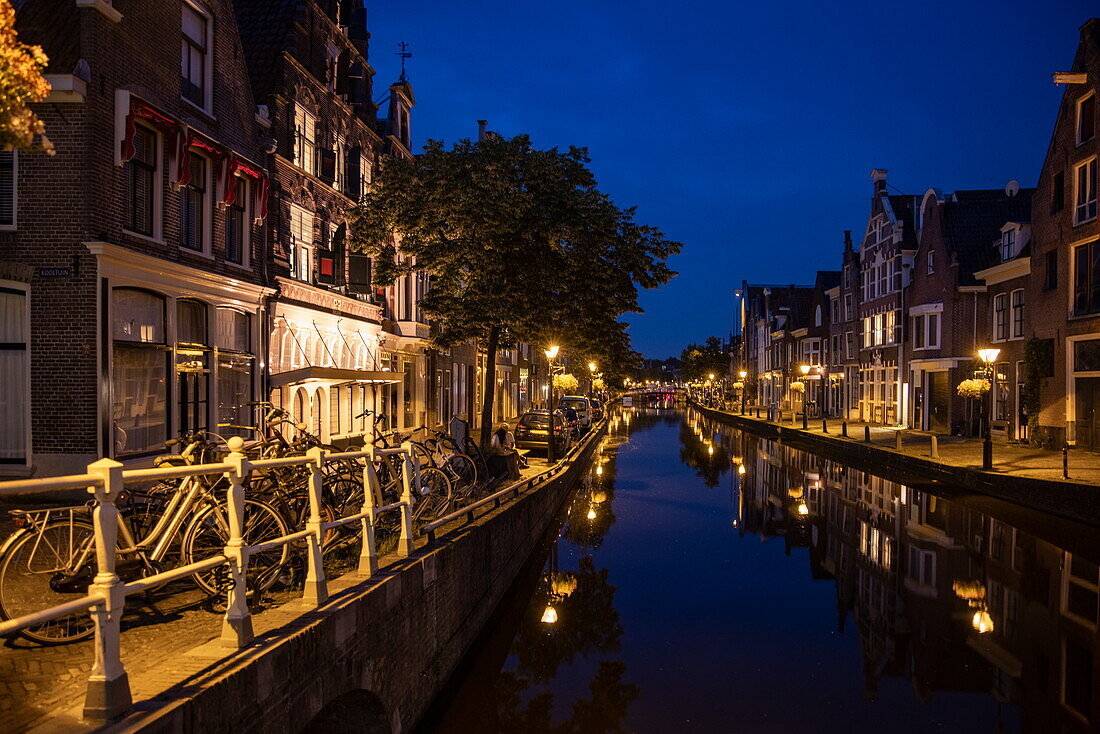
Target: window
x=1085 y=198
x=140 y=181
x=14 y=374
x=895 y=274
x=1018 y=313
x=1086 y=119
x=850 y=345
x=1058 y=192
x=931 y=261
x=8 y=169
x=883 y=279
x=849 y=310
x=918 y=332
x=1081 y=589
x=301 y=237
x=235 y=369
x=1086 y=278
x=305 y=140
x=1000 y=317
x=932 y=330
x=835 y=306
x=192 y=364
x=334 y=409
x=1050 y=276
x=1077 y=677
x=237 y=229
x=922 y=566
x=193 y=208
x=366 y=173
x=139 y=373
x=1008 y=245
x=339 y=151
x=193 y=56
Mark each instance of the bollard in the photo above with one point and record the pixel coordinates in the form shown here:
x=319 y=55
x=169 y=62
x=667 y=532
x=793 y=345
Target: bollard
x=108 y=685
x=237 y=624
x=867 y=434
x=824 y=425
x=844 y=429
x=316 y=587
x=897 y=440
x=1065 y=462
x=935 y=447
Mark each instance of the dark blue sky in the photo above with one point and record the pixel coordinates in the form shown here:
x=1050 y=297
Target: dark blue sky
x=744 y=130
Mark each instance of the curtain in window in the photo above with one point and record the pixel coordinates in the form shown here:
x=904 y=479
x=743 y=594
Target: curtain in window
x=234 y=393
x=14 y=383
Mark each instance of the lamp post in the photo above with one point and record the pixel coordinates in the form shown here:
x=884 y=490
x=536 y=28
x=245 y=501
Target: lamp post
x=989 y=358
x=744 y=387
x=805 y=370
x=551 y=355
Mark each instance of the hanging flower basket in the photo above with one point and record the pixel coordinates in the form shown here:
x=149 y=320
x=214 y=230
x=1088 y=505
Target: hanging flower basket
x=597 y=383
x=739 y=385
x=974 y=388
x=565 y=381
x=798 y=387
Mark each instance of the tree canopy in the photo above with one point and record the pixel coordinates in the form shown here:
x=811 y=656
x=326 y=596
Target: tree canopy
x=21 y=82
x=700 y=360
x=520 y=244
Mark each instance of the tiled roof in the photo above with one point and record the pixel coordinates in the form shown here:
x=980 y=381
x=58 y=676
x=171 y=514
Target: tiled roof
x=972 y=221
x=827 y=279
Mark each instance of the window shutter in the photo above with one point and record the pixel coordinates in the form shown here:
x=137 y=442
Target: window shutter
x=7 y=188
x=326 y=267
x=353 y=187
x=339 y=248
x=359 y=274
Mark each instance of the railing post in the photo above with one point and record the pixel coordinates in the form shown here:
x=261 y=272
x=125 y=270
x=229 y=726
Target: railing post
x=237 y=624
x=368 y=558
x=316 y=588
x=408 y=479
x=108 y=685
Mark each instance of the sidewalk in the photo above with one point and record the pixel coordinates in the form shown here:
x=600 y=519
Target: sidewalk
x=958 y=451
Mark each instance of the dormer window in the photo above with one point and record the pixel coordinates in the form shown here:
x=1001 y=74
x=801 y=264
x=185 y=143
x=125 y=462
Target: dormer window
x=1008 y=244
x=1086 y=118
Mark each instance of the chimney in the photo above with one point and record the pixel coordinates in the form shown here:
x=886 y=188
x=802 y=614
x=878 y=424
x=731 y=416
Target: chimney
x=847 y=241
x=878 y=175
x=481 y=125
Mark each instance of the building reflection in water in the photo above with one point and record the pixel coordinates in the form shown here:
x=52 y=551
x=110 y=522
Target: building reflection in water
x=942 y=595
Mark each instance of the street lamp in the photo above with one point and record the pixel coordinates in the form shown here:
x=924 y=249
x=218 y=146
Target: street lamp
x=988 y=357
x=744 y=388
x=551 y=354
x=805 y=369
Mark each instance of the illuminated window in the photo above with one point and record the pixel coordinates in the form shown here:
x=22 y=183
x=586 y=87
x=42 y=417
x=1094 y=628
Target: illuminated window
x=305 y=140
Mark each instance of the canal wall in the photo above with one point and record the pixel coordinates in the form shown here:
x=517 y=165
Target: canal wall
x=1067 y=499
x=376 y=654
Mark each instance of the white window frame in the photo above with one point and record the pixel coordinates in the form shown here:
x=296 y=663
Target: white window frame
x=1008 y=244
x=208 y=60
x=301 y=243
x=25 y=290
x=14 y=194
x=1077 y=219
x=931 y=262
x=244 y=197
x=1066 y=581
x=1013 y=307
x=207 y=207
x=995 y=331
x=157 y=234
x=304 y=121
x=1077 y=136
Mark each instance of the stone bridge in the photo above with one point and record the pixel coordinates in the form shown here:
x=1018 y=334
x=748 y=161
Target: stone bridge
x=373 y=657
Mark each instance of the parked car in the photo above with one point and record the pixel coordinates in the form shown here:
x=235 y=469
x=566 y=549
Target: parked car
x=583 y=407
x=533 y=431
x=597 y=409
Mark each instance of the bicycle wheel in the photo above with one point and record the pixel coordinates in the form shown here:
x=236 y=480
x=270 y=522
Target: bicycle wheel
x=208 y=533
x=464 y=471
x=435 y=498
x=39 y=571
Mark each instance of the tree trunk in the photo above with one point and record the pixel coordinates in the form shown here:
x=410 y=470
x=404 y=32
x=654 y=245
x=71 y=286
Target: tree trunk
x=490 y=384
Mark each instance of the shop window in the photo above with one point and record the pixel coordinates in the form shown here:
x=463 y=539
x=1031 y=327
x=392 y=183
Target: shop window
x=236 y=368
x=192 y=364
x=14 y=374
x=139 y=373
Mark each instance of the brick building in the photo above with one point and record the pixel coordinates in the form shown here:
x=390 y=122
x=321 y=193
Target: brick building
x=1064 y=288
x=886 y=258
x=844 y=334
x=132 y=261
x=770 y=317
x=948 y=309
x=813 y=342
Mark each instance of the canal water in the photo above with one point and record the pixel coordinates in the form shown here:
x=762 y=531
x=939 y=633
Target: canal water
x=704 y=579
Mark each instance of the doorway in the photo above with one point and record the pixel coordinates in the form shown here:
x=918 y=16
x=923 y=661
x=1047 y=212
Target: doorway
x=1087 y=397
x=938 y=402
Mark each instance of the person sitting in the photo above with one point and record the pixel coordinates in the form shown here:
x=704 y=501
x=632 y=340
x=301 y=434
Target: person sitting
x=503 y=458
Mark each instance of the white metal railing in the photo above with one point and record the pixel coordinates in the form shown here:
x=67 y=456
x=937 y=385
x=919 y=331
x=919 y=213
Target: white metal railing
x=108 y=691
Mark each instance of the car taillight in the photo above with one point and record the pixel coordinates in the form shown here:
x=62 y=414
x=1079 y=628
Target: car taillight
x=520 y=426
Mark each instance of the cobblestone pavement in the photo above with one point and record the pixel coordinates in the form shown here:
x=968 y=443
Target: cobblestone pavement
x=1008 y=458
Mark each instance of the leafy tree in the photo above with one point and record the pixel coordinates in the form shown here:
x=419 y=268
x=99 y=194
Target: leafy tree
x=21 y=83
x=521 y=246
x=700 y=360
